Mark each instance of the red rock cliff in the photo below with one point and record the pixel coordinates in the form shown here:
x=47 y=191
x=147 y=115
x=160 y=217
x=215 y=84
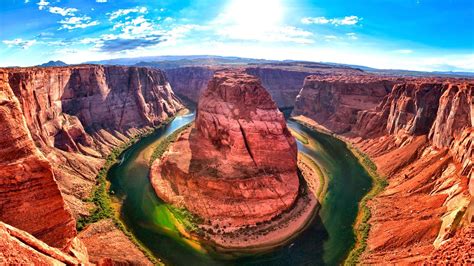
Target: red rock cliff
x=420 y=136
x=334 y=101
x=237 y=166
x=75 y=115
x=29 y=196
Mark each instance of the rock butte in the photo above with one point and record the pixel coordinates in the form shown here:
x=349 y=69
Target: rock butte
x=238 y=165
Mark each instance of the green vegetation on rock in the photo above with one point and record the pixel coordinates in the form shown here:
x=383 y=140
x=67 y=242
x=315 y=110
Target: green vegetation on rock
x=100 y=196
x=363 y=226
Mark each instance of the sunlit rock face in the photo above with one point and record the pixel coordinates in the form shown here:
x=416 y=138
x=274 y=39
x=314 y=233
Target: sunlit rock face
x=237 y=166
x=420 y=136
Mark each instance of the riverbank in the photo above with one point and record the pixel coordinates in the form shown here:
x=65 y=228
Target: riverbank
x=361 y=225
x=104 y=205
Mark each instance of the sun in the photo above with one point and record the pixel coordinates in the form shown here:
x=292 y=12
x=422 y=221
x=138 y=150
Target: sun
x=254 y=14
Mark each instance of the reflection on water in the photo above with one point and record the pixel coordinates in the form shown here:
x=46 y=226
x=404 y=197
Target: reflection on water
x=326 y=241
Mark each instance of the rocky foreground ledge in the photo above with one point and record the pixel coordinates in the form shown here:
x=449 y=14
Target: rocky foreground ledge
x=236 y=168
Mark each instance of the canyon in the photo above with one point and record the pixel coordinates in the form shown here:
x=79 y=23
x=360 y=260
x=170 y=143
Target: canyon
x=59 y=124
x=283 y=81
x=419 y=135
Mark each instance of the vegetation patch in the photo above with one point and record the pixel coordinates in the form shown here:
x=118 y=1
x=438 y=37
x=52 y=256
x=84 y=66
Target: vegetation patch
x=100 y=197
x=362 y=226
x=164 y=144
x=187 y=219
x=300 y=137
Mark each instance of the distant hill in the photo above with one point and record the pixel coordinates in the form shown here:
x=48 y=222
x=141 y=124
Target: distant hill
x=179 y=59
x=175 y=61
x=53 y=64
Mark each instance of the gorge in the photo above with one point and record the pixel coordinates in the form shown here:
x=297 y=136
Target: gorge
x=60 y=125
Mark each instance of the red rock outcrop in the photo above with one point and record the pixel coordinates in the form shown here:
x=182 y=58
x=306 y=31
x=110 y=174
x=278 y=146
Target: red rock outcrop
x=77 y=115
x=284 y=85
x=334 y=101
x=420 y=137
x=237 y=166
x=20 y=248
x=58 y=124
x=119 y=251
x=29 y=196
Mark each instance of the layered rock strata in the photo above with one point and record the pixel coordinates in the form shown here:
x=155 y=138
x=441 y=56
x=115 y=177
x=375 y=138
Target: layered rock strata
x=20 y=248
x=77 y=115
x=237 y=166
x=420 y=136
x=283 y=82
x=29 y=195
x=58 y=125
x=334 y=101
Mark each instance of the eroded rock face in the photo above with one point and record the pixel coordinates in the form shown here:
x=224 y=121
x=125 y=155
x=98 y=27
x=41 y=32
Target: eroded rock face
x=334 y=101
x=29 y=196
x=76 y=115
x=237 y=166
x=283 y=85
x=57 y=126
x=420 y=137
x=20 y=248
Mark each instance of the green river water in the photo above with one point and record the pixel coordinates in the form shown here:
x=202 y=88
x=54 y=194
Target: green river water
x=326 y=241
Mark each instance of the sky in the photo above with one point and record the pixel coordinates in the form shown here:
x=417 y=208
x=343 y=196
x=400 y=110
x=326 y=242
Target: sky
x=427 y=35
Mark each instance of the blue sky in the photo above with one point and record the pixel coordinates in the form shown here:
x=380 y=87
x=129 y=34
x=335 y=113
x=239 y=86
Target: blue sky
x=403 y=34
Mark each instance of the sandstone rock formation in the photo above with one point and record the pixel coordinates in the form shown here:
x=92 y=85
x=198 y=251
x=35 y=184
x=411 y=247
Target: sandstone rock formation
x=58 y=124
x=420 y=136
x=237 y=166
x=20 y=248
x=119 y=251
x=283 y=81
x=189 y=82
x=335 y=100
x=284 y=85
x=29 y=196
x=77 y=115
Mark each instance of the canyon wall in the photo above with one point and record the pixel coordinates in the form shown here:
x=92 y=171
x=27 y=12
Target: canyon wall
x=334 y=101
x=77 y=115
x=30 y=199
x=58 y=125
x=282 y=84
x=420 y=137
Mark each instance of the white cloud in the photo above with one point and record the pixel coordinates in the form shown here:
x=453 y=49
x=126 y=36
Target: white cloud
x=404 y=51
x=24 y=44
x=77 y=22
x=352 y=36
x=123 y=12
x=62 y=11
x=101 y=1
x=330 y=37
x=345 y=21
x=27 y=1
x=42 y=4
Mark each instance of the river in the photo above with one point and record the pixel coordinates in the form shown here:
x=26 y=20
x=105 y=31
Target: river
x=326 y=241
